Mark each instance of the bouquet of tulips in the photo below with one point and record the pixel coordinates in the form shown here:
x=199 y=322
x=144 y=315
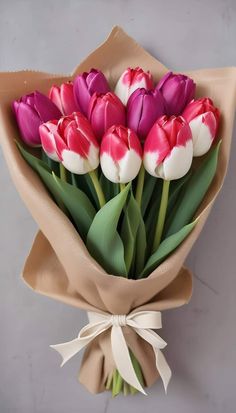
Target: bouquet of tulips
x=129 y=164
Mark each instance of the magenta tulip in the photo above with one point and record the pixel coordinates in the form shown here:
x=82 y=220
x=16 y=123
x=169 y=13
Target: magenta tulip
x=86 y=84
x=144 y=107
x=104 y=111
x=63 y=97
x=31 y=111
x=177 y=90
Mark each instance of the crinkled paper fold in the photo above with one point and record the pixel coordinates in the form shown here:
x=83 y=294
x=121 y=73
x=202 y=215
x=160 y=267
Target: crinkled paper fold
x=59 y=264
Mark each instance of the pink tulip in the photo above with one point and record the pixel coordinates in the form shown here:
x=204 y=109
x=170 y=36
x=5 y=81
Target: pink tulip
x=131 y=80
x=104 y=111
x=168 y=149
x=203 y=118
x=120 y=154
x=73 y=141
x=63 y=97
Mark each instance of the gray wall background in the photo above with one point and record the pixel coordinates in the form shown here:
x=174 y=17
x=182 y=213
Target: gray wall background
x=54 y=36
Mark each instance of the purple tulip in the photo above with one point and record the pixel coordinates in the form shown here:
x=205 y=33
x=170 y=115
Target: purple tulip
x=31 y=111
x=86 y=84
x=177 y=90
x=144 y=107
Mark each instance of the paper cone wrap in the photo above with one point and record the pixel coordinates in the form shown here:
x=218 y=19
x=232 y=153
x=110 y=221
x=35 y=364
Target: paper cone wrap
x=59 y=265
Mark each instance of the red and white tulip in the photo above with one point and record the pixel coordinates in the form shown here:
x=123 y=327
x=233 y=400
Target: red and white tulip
x=168 y=148
x=131 y=80
x=120 y=154
x=203 y=118
x=73 y=142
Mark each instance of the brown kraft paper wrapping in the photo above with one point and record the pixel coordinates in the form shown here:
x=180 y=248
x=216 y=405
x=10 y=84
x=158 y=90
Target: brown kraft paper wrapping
x=67 y=272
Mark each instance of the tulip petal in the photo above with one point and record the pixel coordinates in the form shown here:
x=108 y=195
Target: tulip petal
x=178 y=163
x=46 y=109
x=201 y=133
x=129 y=166
x=28 y=122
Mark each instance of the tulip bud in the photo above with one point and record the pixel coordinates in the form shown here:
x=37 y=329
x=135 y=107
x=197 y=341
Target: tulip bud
x=120 y=154
x=177 y=90
x=144 y=107
x=105 y=111
x=203 y=118
x=86 y=84
x=131 y=80
x=74 y=142
x=63 y=97
x=168 y=149
x=48 y=134
x=31 y=111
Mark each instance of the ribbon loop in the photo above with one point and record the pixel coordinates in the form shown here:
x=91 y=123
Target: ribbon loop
x=142 y=322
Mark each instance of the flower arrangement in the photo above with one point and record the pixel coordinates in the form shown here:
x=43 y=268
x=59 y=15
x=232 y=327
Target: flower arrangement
x=128 y=164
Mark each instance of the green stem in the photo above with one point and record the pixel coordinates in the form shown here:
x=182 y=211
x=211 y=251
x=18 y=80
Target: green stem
x=161 y=215
x=122 y=186
x=98 y=188
x=140 y=183
x=62 y=172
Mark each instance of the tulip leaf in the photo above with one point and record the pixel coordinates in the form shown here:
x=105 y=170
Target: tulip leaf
x=195 y=191
x=140 y=248
x=43 y=171
x=76 y=202
x=129 y=229
x=78 y=205
x=84 y=183
x=109 y=188
x=103 y=241
x=166 y=248
x=148 y=189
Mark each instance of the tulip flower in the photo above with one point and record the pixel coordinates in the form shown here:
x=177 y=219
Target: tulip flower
x=144 y=107
x=73 y=141
x=49 y=135
x=131 y=80
x=168 y=154
x=86 y=84
x=31 y=111
x=177 y=90
x=168 y=149
x=104 y=111
x=203 y=118
x=120 y=154
x=63 y=97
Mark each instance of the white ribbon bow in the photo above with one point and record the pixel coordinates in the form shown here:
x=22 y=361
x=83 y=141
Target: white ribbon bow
x=142 y=322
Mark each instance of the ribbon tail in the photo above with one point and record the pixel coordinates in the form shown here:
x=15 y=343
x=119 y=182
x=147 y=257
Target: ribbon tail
x=161 y=364
x=122 y=358
x=68 y=350
x=163 y=368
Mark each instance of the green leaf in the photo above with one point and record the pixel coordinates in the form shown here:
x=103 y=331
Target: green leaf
x=129 y=228
x=76 y=202
x=165 y=248
x=195 y=191
x=78 y=205
x=140 y=249
x=43 y=171
x=109 y=188
x=148 y=189
x=103 y=241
